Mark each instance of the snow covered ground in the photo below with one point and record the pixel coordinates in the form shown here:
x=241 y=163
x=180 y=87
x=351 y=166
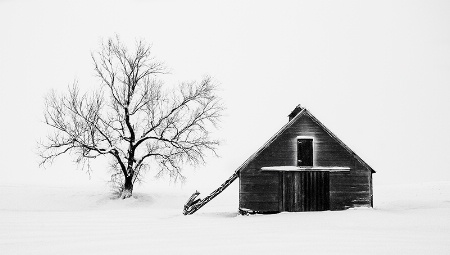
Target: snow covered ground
x=407 y=219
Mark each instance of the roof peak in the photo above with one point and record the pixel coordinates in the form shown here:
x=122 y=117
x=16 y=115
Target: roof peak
x=296 y=111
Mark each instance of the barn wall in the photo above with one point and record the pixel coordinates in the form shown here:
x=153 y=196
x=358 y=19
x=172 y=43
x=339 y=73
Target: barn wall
x=350 y=189
x=261 y=191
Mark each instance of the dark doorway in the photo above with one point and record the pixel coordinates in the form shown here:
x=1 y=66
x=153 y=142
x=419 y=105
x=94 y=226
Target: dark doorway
x=305 y=152
x=306 y=191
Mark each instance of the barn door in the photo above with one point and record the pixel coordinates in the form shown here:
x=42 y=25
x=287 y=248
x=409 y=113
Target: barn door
x=306 y=191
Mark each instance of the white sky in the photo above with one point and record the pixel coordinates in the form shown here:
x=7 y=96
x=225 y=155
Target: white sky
x=376 y=73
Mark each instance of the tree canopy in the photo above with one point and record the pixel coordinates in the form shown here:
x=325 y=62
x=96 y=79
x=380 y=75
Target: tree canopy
x=131 y=118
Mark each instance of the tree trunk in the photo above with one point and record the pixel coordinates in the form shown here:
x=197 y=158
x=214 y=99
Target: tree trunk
x=127 y=188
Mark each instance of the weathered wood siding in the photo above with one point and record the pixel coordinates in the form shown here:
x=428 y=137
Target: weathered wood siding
x=351 y=189
x=259 y=191
x=262 y=191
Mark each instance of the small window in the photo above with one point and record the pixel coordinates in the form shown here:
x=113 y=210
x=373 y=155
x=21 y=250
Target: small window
x=304 y=151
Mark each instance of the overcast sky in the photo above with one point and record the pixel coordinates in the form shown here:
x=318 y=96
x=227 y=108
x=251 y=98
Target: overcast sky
x=376 y=73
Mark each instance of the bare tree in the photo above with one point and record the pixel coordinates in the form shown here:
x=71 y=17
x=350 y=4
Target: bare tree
x=131 y=119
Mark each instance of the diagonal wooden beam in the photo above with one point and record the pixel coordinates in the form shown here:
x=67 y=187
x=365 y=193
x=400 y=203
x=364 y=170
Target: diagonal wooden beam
x=193 y=204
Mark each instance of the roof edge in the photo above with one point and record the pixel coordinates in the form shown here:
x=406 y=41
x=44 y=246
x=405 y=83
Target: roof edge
x=266 y=144
x=339 y=141
x=287 y=125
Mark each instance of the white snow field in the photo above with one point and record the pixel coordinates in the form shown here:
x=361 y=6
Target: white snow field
x=407 y=219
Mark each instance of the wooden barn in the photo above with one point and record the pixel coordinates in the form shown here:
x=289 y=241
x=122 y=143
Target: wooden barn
x=303 y=167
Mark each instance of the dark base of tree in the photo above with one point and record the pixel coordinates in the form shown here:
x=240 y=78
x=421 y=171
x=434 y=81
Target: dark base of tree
x=126 y=193
x=127 y=188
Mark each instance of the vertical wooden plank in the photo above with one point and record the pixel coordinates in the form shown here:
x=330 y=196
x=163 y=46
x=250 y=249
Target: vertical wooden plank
x=296 y=191
x=308 y=192
x=326 y=185
x=324 y=192
x=303 y=191
x=311 y=191
x=283 y=176
x=293 y=191
x=327 y=191
x=288 y=197
x=322 y=189
x=319 y=191
x=286 y=190
x=314 y=176
x=281 y=191
x=300 y=191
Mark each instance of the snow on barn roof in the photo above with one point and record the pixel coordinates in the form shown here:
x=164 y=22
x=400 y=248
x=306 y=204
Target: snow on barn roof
x=294 y=116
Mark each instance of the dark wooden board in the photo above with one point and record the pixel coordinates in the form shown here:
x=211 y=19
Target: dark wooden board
x=258 y=180
x=259 y=188
x=259 y=197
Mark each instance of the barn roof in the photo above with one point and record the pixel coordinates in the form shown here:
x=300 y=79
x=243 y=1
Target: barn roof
x=294 y=116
